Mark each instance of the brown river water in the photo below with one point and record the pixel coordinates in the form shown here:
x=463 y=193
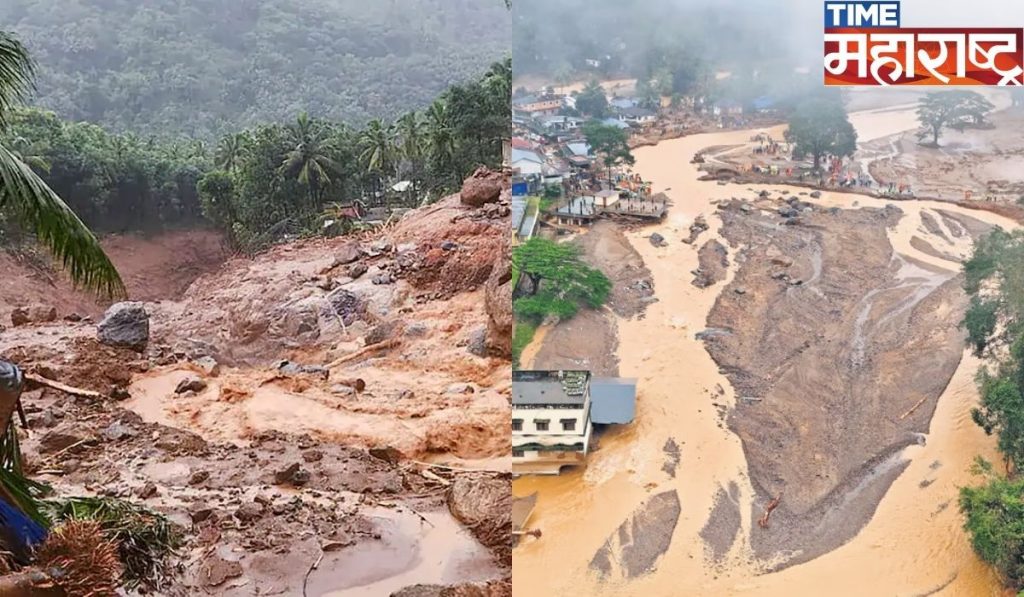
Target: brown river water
x=913 y=545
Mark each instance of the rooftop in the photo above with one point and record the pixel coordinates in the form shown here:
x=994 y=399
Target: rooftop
x=613 y=400
x=549 y=387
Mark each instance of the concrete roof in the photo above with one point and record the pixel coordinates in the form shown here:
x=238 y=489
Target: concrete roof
x=546 y=387
x=612 y=400
x=525 y=154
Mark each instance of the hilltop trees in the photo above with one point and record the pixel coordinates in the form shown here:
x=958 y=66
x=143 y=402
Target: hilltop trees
x=818 y=127
x=956 y=108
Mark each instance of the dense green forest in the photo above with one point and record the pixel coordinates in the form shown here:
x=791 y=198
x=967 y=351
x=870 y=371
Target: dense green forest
x=270 y=180
x=203 y=68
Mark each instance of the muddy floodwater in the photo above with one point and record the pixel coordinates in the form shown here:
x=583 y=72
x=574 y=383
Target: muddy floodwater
x=913 y=542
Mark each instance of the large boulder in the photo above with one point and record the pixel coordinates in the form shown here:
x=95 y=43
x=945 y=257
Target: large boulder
x=126 y=325
x=498 y=303
x=483 y=187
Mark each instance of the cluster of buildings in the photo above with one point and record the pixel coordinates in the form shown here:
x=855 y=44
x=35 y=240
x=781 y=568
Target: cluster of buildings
x=554 y=414
x=550 y=156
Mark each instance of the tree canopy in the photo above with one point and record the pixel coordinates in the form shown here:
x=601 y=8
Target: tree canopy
x=592 y=101
x=818 y=127
x=558 y=281
x=205 y=68
x=610 y=143
x=994 y=512
x=956 y=108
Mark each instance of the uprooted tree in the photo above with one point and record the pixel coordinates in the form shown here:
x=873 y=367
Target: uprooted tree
x=819 y=127
x=939 y=110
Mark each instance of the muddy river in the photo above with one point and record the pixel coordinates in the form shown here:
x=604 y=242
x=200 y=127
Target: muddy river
x=913 y=544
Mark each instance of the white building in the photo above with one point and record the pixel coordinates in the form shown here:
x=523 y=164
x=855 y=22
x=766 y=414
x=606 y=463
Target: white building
x=551 y=424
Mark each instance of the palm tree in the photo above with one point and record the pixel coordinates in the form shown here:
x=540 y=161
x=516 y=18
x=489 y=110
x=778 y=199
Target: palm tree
x=440 y=137
x=230 y=151
x=378 y=152
x=32 y=203
x=310 y=160
x=409 y=136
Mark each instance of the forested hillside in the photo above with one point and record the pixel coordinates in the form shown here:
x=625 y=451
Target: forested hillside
x=201 y=68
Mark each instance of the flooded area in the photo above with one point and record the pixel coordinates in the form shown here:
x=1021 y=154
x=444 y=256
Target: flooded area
x=912 y=542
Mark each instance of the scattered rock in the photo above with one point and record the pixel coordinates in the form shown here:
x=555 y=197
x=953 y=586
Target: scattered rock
x=119 y=393
x=461 y=388
x=383 y=278
x=290 y=368
x=63 y=438
x=484 y=186
x=198 y=477
x=382 y=332
x=346 y=254
x=343 y=390
x=209 y=365
x=199 y=512
x=739 y=290
x=190 y=384
x=20 y=317
x=356 y=270
x=387 y=454
x=147 y=491
x=416 y=329
x=657 y=240
x=215 y=570
x=117 y=431
x=249 y=511
x=294 y=474
x=125 y=325
x=815 y=195
x=477 y=345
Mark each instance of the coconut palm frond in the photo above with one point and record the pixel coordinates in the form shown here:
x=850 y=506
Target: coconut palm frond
x=17 y=74
x=56 y=226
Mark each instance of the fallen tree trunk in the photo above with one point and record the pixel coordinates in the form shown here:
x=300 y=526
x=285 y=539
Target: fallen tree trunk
x=763 y=521
x=32 y=583
x=56 y=385
x=365 y=351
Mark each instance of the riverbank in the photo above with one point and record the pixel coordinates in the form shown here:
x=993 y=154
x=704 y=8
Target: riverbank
x=914 y=534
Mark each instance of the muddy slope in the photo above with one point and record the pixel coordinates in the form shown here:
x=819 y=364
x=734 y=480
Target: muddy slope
x=833 y=339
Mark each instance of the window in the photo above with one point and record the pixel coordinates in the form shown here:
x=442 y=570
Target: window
x=518 y=453
x=542 y=424
x=568 y=424
x=517 y=424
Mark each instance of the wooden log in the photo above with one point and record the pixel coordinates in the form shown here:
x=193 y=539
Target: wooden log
x=365 y=351
x=913 y=408
x=56 y=385
x=772 y=505
x=31 y=583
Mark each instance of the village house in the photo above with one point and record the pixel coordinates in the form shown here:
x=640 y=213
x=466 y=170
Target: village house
x=526 y=162
x=554 y=413
x=637 y=116
x=538 y=105
x=559 y=122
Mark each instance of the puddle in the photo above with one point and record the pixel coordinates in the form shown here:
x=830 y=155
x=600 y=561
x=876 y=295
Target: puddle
x=409 y=552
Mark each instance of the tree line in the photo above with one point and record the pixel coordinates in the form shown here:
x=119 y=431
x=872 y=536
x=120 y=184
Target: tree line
x=262 y=183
